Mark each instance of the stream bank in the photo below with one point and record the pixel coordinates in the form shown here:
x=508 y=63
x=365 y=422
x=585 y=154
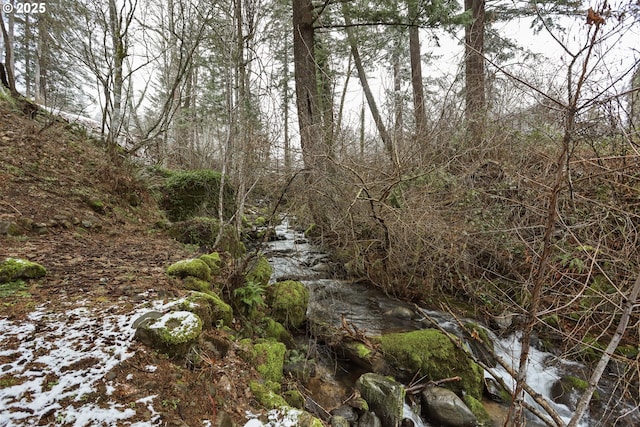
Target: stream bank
x=340 y=304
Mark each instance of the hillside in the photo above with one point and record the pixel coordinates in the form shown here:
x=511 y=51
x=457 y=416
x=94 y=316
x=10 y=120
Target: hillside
x=68 y=352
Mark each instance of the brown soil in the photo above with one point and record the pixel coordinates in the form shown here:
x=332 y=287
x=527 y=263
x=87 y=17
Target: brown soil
x=92 y=226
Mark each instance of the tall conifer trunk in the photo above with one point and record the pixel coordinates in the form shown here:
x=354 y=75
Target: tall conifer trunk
x=475 y=98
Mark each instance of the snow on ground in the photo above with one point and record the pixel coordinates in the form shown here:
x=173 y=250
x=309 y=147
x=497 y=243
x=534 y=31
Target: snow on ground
x=57 y=356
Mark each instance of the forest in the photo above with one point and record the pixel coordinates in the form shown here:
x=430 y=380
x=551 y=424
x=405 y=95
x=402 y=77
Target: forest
x=483 y=155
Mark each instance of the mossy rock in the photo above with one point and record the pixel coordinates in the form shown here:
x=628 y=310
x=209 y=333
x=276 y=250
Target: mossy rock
x=384 y=395
x=269 y=359
x=194 y=284
x=209 y=307
x=13 y=269
x=190 y=267
x=203 y=231
x=267 y=356
x=214 y=262
x=260 y=272
x=288 y=301
x=266 y=396
x=431 y=353
x=478 y=409
x=187 y=194
x=568 y=390
x=173 y=333
x=275 y=330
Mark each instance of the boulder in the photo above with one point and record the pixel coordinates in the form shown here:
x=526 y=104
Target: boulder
x=190 y=267
x=568 y=390
x=213 y=261
x=338 y=421
x=385 y=397
x=13 y=269
x=347 y=412
x=288 y=301
x=432 y=354
x=443 y=406
x=267 y=357
x=209 y=307
x=173 y=333
x=369 y=419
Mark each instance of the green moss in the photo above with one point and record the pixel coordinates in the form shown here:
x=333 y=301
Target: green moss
x=209 y=307
x=431 y=353
x=16 y=288
x=187 y=194
x=213 y=261
x=577 y=383
x=261 y=272
x=204 y=231
x=174 y=333
x=269 y=359
x=294 y=398
x=363 y=351
x=275 y=330
x=552 y=320
x=288 y=301
x=96 y=205
x=629 y=351
x=260 y=221
x=195 y=284
x=305 y=419
x=483 y=417
x=13 y=269
x=267 y=398
x=190 y=267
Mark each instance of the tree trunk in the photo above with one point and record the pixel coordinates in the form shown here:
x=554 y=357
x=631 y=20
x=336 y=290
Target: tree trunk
x=475 y=98
x=313 y=154
x=28 y=90
x=42 y=55
x=306 y=88
x=8 y=56
x=373 y=108
x=419 y=110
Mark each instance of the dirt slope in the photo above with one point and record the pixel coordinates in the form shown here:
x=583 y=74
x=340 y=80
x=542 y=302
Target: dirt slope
x=91 y=225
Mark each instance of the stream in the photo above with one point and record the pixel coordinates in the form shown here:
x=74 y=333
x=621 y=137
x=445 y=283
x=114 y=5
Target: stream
x=370 y=310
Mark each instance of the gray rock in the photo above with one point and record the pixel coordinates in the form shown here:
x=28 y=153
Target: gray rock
x=338 y=421
x=567 y=391
x=346 y=412
x=369 y=419
x=400 y=313
x=385 y=397
x=445 y=407
x=9 y=228
x=146 y=318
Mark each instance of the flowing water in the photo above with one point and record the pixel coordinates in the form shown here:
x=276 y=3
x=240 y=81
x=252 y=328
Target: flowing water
x=370 y=310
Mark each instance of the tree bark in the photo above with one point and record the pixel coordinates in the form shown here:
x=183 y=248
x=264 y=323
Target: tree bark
x=42 y=56
x=475 y=98
x=8 y=56
x=371 y=102
x=306 y=84
x=419 y=110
